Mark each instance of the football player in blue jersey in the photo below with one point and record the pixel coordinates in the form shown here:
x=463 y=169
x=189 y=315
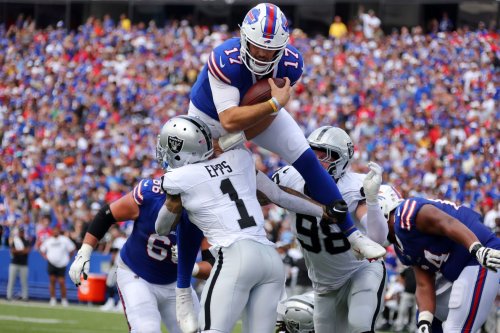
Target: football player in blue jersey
x=147 y=263
x=439 y=236
x=233 y=67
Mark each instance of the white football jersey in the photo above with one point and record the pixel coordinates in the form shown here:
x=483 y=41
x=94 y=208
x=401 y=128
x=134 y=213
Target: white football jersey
x=330 y=262
x=220 y=197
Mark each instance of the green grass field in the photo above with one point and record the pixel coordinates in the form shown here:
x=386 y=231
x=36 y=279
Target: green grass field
x=39 y=317
x=35 y=317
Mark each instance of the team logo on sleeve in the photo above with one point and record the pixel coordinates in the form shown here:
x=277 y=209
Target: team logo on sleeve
x=175 y=144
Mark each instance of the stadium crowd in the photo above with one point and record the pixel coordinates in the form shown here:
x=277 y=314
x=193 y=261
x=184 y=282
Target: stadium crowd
x=80 y=111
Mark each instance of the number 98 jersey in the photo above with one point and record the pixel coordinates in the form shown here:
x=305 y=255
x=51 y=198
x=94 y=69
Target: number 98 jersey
x=220 y=197
x=330 y=263
x=146 y=253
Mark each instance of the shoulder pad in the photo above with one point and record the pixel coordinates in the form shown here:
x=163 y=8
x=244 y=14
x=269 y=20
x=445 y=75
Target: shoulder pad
x=146 y=189
x=225 y=62
x=291 y=64
x=406 y=213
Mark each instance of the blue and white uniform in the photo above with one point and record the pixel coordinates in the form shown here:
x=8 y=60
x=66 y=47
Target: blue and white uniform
x=146 y=274
x=225 y=64
x=474 y=287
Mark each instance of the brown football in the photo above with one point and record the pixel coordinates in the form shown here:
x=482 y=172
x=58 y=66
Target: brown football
x=258 y=93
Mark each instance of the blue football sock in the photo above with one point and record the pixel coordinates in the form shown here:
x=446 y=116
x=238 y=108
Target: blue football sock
x=320 y=184
x=188 y=244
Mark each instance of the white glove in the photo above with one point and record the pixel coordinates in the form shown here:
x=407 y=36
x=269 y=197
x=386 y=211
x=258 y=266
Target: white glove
x=425 y=322
x=81 y=264
x=174 y=254
x=372 y=182
x=184 y=309
x=487 y=257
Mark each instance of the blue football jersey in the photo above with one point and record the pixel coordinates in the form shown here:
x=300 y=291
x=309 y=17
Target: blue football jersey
x=225 y=64
x=437 y=253
x=146 y=253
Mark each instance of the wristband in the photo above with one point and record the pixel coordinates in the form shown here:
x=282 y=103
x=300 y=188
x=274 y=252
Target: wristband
x=278 y=105
x=274 y=106
x=425 y=316
x=196 y=270
x=474 y=248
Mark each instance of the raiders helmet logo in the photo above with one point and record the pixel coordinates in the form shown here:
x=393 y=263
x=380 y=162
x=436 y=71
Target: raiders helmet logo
x=175 y=144
x=350 y=149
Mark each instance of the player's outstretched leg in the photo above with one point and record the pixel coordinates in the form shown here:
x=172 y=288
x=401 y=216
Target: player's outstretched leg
x=323 y=189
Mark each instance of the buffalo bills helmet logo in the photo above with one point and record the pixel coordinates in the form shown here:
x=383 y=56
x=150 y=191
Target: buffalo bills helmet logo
x=284 y=23
x=252 y=16
x=175 y=144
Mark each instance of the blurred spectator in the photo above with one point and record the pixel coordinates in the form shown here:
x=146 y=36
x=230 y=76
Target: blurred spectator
x=79 y=111
x=445 y=24
x=371 y=23
x=125 y=22
x=20 y=248
x=57 y=250
x=337 y=29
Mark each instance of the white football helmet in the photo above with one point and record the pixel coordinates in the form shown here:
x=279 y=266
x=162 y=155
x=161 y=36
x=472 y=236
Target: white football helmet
x=338 y=147
x=389 y=199
x=264 y=26
x=299 y=314
x=183 y=140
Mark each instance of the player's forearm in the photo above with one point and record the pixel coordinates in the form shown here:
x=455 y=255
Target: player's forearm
x=90 y=240
x=240 y=118
x=459 y=233
x=166 y=220
x=288 y=198
x=425 y=292
x=204 y=269
x=376 y=224
x=426 y=299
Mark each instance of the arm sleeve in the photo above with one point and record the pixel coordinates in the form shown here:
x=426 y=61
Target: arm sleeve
x=164 y=221
x=225 y=95
x=376 y=224
x=188 y=243
x=285 y=199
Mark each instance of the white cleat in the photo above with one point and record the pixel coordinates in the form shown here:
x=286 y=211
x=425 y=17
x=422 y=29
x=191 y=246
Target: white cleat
x=52 y=302
x=118 y=307
x=364 y=246
x=64 y=302
x=108 y=306
x=186 y=315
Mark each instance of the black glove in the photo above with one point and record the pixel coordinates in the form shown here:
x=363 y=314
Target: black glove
x=280 y=327
x=424 y=327
x=337 y=211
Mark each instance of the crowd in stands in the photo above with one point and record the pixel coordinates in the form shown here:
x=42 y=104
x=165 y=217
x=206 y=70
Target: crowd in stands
x=80 y=112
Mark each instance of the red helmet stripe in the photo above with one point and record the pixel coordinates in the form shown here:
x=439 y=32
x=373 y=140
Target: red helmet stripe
x=270 y=27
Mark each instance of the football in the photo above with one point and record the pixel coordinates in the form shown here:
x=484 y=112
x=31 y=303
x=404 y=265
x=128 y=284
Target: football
x=258 y=93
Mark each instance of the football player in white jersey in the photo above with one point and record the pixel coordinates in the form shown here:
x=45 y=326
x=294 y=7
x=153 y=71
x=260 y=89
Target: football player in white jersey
x=344 y=286
x=219 y=195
